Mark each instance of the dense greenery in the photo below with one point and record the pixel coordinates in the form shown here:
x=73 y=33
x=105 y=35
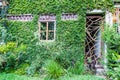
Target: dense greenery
x=67 y=51
x=81 y=77
x=4 y=76
x=112 y=39
x=57 y=6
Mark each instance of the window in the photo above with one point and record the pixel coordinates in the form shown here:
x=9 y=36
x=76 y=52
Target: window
x=47 y=28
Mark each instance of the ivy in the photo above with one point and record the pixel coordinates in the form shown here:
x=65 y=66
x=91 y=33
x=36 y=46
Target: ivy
x=56 y=6
x=70 y=35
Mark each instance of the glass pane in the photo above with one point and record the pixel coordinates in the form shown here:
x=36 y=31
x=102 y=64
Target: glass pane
x=43 y=25
x=50 y=25
x=50 y=35
x=43 y=36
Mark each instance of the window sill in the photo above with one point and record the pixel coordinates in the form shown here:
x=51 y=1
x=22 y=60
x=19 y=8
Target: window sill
x=47 y=41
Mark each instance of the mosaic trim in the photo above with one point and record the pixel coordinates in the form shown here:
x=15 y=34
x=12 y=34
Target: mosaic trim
x=69 y=16
x=24 y=17
x=45 y=17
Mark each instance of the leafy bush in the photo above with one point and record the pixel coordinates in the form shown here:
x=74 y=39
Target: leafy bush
x=5 y=50
x=113 y=65
x=53 y=69
x=112 y=39
x=21 y=69
x=36 y=55
x=21 y=48
x=69 y=55
x=10 y=46
x=2 y=62
x=78 y=68
x=114 y=73
x=12 y=55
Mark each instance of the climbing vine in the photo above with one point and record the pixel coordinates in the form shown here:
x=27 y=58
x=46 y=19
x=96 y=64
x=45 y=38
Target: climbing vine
x=70 y=34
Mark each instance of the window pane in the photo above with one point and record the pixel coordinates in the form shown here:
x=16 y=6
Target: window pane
x=50 y=25
x=50 y=35
x=43 y=25
x=43 y=36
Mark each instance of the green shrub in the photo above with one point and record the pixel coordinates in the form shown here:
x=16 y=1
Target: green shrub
x=53 y=69
x=21 y=48
x=78 y=68
x=10 y=46
x=114 y=73
x=33 y=68
x=2 y=62
x=21 y=70
x=112 y=39
x=36 y=55
x=113 y=65
x=13 y=55
x=69 y=56
x=7 y=55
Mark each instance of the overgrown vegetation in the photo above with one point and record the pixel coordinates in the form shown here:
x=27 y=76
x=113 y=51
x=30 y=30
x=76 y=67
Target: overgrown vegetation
x=4 y=76
x=17 y=77
x=112 y=39
x=29 y=54
x=53 y=69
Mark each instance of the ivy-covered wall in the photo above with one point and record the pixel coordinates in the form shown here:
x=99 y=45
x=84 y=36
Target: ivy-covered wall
x=45 y=6
x=68 y=47
x=70 y=34
x=57 y=6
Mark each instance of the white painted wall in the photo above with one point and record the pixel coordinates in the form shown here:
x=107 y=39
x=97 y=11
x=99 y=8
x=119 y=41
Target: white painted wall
x=109 y=18
x=105 y=57
x=95 y=11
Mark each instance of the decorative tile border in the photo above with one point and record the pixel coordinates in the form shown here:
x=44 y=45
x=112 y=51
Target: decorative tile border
x=50 y=17
x=69 y=16
x=43 y=17
x=24 y=17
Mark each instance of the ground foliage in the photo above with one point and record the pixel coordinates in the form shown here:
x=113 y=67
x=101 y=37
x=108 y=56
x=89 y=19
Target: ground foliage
x=9 y=76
